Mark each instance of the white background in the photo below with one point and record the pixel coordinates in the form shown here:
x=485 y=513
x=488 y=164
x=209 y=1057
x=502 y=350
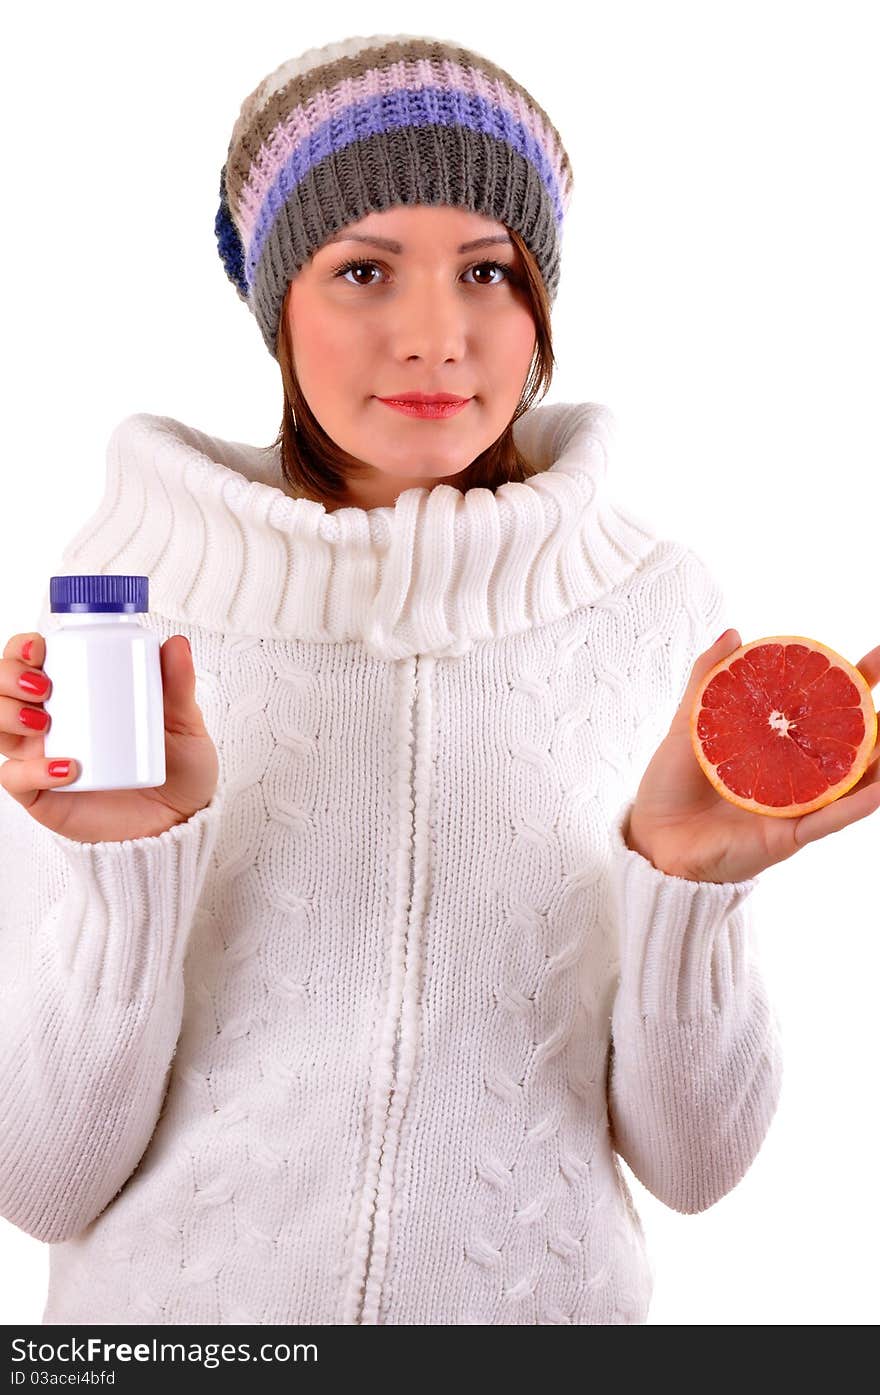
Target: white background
x=719 y=292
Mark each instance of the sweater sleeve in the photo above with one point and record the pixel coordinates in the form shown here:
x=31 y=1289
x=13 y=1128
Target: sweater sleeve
x=695 y=1063
x=695 y=1067
x=93 y=938
x=92 y=943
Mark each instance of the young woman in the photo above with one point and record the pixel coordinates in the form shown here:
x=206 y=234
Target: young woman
x=351 y=1020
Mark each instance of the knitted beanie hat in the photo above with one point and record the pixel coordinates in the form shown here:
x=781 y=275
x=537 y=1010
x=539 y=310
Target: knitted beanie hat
x=357 y=126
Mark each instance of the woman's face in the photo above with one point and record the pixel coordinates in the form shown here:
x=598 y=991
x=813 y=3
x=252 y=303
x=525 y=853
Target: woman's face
x=421 y=317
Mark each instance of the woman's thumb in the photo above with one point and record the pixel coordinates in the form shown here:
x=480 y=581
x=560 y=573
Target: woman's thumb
x=182 y=712
x=724 y=645
x=732 y=640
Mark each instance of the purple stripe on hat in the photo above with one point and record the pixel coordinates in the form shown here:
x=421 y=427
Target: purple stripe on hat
x=423 y=107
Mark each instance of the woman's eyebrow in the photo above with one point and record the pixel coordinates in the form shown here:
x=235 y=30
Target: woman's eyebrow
x=390 y=246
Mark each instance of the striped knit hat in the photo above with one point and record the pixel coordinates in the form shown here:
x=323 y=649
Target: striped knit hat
x=357 y=126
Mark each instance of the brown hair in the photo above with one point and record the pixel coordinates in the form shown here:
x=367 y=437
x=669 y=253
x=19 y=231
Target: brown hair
x=314 y=466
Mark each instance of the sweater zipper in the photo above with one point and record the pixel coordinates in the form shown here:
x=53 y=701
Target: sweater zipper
x=385 y=1162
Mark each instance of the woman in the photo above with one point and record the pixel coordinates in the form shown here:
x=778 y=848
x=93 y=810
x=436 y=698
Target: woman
x=350 y=1021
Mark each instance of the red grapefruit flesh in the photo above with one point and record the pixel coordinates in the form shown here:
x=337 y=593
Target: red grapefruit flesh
x=783 y=725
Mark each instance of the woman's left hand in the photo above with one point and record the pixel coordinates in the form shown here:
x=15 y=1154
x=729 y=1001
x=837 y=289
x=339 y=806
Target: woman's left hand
x=683 y=825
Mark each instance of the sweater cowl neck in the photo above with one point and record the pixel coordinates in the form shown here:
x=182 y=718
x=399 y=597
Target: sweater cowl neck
x=225 y=547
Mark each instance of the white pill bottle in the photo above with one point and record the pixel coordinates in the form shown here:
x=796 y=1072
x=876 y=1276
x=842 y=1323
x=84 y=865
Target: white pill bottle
x=106 y=701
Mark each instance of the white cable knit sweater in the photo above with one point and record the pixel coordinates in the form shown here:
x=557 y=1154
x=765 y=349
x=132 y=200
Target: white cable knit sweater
x=361 y=1041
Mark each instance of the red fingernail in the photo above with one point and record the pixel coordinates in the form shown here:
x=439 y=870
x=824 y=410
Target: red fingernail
x=34 y=717
x=721 y=636
x=26 y=650
x=59 y=768
x=35 y=682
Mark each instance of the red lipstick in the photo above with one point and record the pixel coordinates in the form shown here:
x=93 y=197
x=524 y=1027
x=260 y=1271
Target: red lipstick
x=429 y=406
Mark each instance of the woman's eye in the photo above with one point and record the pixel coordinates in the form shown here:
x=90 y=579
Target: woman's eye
x=356 y=266
x=491 y=266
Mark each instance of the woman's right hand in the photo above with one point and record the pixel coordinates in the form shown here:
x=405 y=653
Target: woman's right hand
x=95 y=816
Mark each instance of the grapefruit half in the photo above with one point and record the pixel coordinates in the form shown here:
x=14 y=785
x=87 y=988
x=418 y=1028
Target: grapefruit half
x=783 y=725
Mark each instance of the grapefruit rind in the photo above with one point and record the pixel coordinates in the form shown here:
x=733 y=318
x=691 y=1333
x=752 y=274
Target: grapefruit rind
x=860 y=761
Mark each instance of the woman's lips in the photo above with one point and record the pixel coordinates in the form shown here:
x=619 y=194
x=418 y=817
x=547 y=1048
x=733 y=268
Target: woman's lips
x=426 y=410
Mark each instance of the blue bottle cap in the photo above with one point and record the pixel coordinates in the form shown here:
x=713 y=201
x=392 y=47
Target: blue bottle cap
x=98 y=593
